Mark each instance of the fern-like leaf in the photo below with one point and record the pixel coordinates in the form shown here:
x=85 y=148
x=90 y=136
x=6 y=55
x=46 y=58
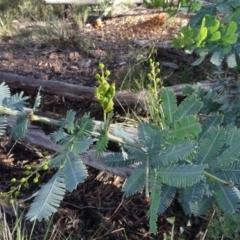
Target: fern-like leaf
x=181 y=176
x=137 y=153
x=213 y=120
x=135 y=182
x=48 y=198
x=173 y=153
x=228 y=198
x=231 y=61
x=83 y=126
x=79 y=145
x=17 y=101
x=233 y=135
x=3 y=125
x=189 y=106
x=37 y=100
x=74 y=171
x=144 y=132
x=118 y=160
x=150 y=136
x=169 y=104
x=120 y=132
x=190 y=197
x=211 y=144
x=19 y=130
x=69 y=121
x=58 y=160
x=60 y=136
x=152 y=213
x=186 y=127
x=217 y=58
x=4 y=92
x=101 y=144
x=228 y=156
x=167 y=195
x=231 y=173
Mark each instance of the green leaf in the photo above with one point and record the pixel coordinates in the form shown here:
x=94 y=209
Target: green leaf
x=228 y=198
x=167 y=195
x=70 y=121
x=17 y=101
x=118 y=160
x=231 y=173
x=210 y=145
x=19 y=130
x=48 y=198
x=38 y=100
x=230 y=36
x=4 y=92
x=150 y=137
x=228 y=155
x=213 y=120
x=60 y=136
x=199 y=60
x=152 y=213
x=169 y=104
x=190 y=197
x=212 y=23
x=3 y=125
x=186 y=127
x=101 y=144
x=58 y=160
x=173 y=154
x=189 y=106
x=135 y=182
x=74 y=171
x=233 y=135
x=215 y=36
x=181 y=176
x=217 y=58
x=79 y=145
x=203 y=31
x=232 y=61
x=83 y=126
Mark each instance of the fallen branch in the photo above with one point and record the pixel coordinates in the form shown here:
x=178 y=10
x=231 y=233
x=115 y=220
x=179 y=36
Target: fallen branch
x=77 y=92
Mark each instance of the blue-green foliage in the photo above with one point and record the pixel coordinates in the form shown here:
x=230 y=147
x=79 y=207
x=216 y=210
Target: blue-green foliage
x=15 y=102
x=73 y=139
x=214 y=31
x=183 y=157
x=48 y=198
x=4 y=92
x=3 y=125
x=198 y=160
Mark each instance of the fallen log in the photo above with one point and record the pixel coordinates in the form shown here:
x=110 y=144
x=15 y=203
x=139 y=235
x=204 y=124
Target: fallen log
x=83 y=93
x=37 y=137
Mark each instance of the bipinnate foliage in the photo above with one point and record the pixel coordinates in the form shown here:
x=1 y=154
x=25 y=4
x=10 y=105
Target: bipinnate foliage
x=198 y=160
x=214 y=31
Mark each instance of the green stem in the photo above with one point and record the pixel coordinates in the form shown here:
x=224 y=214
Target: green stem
x=147 y=178
x=216 y=178
x=28 y=114
x=104 y=116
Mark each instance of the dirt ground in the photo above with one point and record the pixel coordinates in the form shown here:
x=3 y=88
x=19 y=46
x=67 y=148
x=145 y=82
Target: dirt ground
x=96 y=209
